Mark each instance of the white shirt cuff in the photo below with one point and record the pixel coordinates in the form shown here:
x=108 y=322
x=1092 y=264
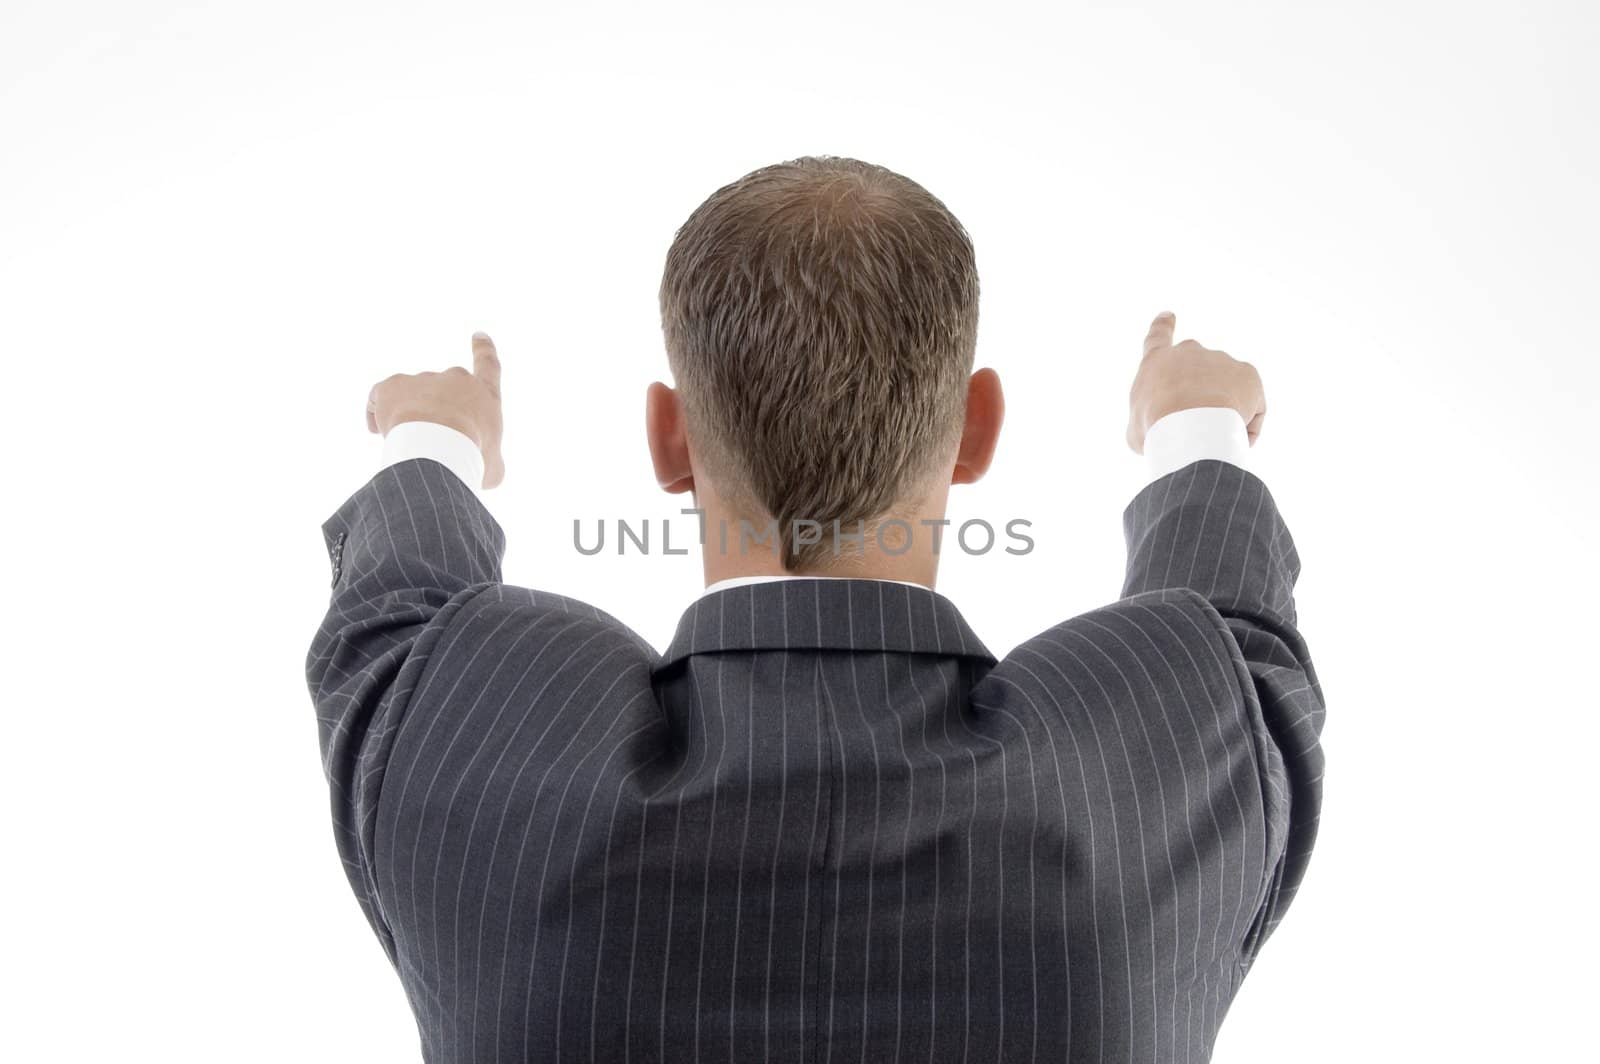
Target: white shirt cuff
x=429 y=439
x=1185 y=436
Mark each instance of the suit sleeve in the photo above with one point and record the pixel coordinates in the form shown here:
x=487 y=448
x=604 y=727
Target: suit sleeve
x=1212 y=529
x=408 y=549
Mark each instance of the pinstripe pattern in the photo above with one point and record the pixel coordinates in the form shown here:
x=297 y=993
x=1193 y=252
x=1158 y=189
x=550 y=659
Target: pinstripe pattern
x=826 y=825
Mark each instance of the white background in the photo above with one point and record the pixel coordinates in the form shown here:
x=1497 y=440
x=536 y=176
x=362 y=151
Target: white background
x=220 y=223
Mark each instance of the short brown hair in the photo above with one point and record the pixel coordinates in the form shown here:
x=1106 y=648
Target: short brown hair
x=821 y=318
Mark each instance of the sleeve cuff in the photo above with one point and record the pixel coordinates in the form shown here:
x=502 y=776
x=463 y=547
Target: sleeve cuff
x=1186 y=436
x=428 y=439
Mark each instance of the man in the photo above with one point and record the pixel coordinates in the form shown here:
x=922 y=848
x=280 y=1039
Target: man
x=826 y=824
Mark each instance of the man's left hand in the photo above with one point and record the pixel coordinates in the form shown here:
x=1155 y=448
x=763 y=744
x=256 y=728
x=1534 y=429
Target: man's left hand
x=465 y=400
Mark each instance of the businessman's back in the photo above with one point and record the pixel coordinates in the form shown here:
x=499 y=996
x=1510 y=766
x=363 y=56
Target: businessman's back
x=826 y=824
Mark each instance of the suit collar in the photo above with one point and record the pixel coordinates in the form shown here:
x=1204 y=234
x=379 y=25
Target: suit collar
x=825 y=615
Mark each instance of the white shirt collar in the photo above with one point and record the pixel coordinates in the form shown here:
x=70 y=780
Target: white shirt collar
x=741 y=581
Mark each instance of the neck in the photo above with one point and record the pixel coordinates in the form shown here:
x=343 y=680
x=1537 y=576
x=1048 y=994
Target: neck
x=731 y=549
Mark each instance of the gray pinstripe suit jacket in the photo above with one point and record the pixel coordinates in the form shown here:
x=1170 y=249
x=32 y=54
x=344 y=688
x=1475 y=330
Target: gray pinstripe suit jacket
x=825 y=825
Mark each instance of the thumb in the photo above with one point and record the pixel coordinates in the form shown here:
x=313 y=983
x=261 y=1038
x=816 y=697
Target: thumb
x=1160 y=334
x=486 y=361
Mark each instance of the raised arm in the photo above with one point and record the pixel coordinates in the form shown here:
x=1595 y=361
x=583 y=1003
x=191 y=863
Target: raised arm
x=1212 y=528
x=407 y=550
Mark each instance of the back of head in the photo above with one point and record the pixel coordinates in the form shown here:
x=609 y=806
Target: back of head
x=821 y=316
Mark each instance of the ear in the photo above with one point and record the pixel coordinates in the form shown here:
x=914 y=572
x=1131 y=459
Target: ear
x=669 y=441
x=986 y=409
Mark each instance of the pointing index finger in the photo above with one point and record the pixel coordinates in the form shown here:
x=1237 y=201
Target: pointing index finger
x=1160 y=334
x=485 y=360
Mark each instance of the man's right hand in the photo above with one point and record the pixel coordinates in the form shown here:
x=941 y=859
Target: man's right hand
x=1179 y=376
